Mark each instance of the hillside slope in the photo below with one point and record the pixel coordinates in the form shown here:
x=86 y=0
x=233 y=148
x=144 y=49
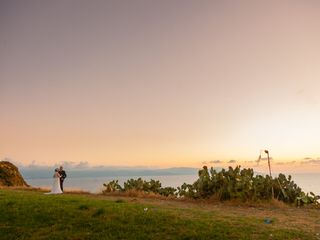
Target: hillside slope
x=10 y=175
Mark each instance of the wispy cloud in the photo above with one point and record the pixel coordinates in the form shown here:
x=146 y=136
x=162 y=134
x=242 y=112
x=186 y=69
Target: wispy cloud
x=285 y=163
x=215 y=161
x=265 y=158
x=74 y=165
x=310 y=161
x=212 y=162
x=36 y=165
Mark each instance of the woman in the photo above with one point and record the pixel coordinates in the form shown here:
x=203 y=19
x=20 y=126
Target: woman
x=56 y=183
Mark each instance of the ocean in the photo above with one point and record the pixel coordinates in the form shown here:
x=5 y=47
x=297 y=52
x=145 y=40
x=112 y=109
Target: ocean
x=95 y=184
x=308 y=182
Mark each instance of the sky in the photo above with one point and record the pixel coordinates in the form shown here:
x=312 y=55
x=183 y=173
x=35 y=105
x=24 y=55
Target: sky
x=160 y=83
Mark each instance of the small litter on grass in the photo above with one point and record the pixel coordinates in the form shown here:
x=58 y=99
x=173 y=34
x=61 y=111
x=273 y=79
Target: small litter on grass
x=145 y=209
x=267 y=221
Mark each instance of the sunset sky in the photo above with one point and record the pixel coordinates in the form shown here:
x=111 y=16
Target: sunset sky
x=160 y=83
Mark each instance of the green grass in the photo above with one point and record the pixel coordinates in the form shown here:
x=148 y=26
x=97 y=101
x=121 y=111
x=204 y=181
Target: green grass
x=33 y=215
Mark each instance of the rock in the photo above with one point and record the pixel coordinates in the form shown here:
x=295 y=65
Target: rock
x=10 y=175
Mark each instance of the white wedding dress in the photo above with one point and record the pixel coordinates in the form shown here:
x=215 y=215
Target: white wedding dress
x=56 y=185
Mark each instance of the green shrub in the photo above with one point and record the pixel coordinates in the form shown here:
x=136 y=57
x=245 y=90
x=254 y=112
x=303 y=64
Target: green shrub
x=234 y=183
x=112 y=186
x=139 y=185
x=237 y=183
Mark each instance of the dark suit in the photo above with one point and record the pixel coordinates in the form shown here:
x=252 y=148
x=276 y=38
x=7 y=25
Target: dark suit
x=63 y=175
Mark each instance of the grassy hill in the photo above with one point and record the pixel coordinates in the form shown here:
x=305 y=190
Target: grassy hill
x=29 y=214
x=10 y=175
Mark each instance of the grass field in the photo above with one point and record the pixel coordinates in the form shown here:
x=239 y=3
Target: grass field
x=34 y=215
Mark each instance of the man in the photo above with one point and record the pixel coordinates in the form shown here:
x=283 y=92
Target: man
x=63 y=175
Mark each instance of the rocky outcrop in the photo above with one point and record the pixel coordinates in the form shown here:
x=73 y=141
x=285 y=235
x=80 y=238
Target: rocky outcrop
x=10 y=175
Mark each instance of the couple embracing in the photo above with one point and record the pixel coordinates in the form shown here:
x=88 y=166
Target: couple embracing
x=59 y=176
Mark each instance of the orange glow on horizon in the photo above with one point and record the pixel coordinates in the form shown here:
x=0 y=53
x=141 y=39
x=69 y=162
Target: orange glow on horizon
x=211 y=81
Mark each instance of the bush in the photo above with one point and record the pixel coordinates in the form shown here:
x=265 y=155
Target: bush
x=243 y=184
x=139 y=185
x=234 y=183
x=112 y=186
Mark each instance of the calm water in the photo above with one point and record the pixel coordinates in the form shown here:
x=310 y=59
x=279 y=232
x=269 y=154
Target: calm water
x=95 y=184
x=308 y=182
